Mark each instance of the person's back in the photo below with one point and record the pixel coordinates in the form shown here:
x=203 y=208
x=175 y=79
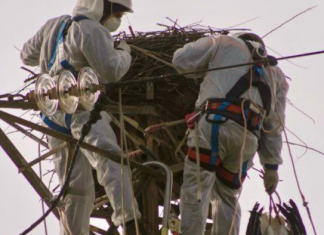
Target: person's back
x=219 y=51
x=86 y=42
x=38 y=50
x=234 y=103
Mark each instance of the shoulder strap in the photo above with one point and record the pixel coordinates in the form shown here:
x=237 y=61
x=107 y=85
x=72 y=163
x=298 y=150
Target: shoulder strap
x=59 y=38
x=65 y=25
x=243 y=85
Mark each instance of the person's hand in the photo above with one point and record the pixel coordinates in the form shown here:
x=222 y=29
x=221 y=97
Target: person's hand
x=124 y=46
x=270 y=180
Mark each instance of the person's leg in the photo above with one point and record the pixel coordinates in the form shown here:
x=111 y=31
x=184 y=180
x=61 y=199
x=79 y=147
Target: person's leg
x=77 y=205
x=232 y=143
x=194 y=213
x=108 y=172
x=225 y=210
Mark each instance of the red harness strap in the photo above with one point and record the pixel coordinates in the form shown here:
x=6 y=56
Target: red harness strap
x=234 y=112
x=231 y=107
x=213 y=105
x=228 y=178
x=204 y=156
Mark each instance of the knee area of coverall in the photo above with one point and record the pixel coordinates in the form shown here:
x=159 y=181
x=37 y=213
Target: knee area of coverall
x=75 y=215
x=110 y=171
x=226 y=195
x=81 y=191
x=192 y=209
x=193 y=216
x=81 y=180
x=117 y=218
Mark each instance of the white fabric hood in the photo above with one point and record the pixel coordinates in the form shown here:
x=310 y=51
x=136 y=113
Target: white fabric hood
x=93 y=9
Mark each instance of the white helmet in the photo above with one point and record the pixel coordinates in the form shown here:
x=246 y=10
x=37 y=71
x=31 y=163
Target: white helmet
x=125 y=3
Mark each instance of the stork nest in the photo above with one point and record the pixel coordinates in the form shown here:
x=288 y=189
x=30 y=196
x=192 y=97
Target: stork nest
x=174 y=96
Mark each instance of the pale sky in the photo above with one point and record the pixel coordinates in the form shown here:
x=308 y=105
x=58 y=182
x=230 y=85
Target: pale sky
x=20 y=19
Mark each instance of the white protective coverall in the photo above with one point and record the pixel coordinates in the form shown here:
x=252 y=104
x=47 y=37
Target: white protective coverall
x=212 y=52
x=87 y=43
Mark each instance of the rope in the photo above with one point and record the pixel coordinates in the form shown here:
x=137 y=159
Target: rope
x=197 y=163
x=242 y=147
x=305 y=203
x=122 y=159
x=123 y=141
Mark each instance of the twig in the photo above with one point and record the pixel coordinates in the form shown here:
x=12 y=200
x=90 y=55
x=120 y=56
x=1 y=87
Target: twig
x=298 y=139
x=288 y=21
x=30 y=135
x=40 y=177
x=149 y=54
x=41 y=158
x=305 y=203
x=292 y=105
x=305 y=146
x=28 y=70
x=242 y=23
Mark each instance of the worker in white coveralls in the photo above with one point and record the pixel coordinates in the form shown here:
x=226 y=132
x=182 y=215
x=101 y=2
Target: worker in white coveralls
x=87 y=42
x=239 y=111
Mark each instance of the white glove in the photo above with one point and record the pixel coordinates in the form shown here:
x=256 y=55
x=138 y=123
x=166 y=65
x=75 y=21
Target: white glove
x=124 y=46
x=270 y=180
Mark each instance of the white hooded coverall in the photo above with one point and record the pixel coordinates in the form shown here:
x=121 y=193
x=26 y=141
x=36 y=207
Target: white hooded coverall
x=87 y=43
x=212 y=52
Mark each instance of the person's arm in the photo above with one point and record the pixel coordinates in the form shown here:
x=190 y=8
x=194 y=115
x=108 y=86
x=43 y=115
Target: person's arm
x=30 y=52
x=271 y=138
x=194 y=56
x=110 y=64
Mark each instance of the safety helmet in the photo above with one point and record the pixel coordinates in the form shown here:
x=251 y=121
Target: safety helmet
x=125 y=3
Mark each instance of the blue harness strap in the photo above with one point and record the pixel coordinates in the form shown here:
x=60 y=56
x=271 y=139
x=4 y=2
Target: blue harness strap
x=60 y=39
x=68 y=120
x=64 y=63
x=244 y=170
x=57 y=127
x=214 y=134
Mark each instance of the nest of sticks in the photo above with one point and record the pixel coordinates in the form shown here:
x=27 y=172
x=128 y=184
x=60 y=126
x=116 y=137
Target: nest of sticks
x=172 y=98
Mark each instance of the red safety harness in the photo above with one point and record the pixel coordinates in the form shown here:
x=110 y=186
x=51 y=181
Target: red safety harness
x=240 y=110
x=228 y=178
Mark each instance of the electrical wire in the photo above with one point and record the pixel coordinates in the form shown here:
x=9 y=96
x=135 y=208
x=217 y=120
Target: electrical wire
x=114 y=85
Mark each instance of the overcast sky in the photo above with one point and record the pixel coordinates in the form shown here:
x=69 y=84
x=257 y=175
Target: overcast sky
x=20 y=19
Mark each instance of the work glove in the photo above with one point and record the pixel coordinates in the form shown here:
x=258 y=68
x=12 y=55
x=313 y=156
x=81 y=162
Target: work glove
x=124 y=46
x=270 y=180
